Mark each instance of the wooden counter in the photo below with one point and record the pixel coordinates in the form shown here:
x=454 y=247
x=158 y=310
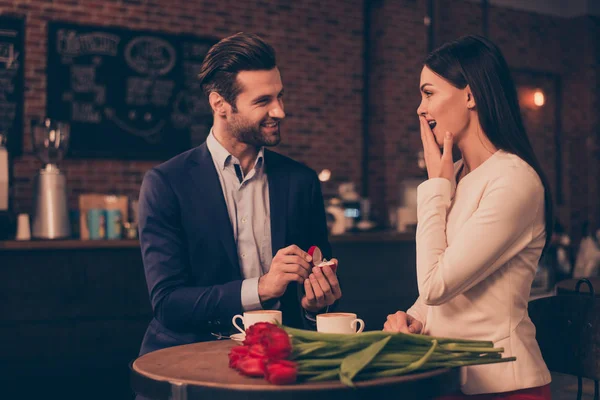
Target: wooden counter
x=68 y=244
x=60 y=244
x=75 y=310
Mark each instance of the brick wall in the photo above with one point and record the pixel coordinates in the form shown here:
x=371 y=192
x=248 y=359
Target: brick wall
x=540 y=49
x=399 y=45
x=319 y=47
x=320 y=53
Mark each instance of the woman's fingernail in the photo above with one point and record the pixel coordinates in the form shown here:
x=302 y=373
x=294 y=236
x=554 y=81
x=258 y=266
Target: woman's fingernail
x=448 y=135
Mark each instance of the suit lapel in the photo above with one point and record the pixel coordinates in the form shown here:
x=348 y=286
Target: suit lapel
x=205 y=177
x=279 y=188
x=278 y=178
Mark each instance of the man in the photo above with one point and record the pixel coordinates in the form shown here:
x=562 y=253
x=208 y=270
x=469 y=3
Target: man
x=224 y=227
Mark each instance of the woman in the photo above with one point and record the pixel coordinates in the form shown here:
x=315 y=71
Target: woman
x=483 y=222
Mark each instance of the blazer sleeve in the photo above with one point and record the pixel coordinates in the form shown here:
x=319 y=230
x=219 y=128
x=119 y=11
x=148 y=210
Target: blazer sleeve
x=500 y=228
x=176 y=302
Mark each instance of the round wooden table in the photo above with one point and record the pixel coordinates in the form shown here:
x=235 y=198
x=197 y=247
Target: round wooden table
x=201 y=371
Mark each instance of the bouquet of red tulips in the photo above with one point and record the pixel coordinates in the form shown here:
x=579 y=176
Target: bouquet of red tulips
x=282 y=355
x=264 y=354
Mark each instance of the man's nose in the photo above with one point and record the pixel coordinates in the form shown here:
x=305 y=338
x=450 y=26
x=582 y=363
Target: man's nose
x=277 y=112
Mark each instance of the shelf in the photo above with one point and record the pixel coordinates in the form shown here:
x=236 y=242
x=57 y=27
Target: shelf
x=62 y=244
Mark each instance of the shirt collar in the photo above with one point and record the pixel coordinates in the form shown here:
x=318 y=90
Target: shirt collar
x=223 y=157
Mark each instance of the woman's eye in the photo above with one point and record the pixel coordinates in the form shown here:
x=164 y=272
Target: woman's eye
x=427 y=94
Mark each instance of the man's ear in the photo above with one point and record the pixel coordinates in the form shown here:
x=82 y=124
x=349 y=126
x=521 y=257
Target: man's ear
x=470 y=98
x=218 y=104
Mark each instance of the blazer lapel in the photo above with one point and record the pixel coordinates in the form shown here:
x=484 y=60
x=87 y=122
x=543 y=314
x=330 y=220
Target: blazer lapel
x=205 y=177
x=278 y=179
x=279 y=188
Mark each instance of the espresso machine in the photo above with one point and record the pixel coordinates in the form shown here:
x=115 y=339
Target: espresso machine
x=50 y=209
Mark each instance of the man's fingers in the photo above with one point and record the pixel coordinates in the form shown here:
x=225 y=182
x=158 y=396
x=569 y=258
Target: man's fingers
x=333 y=282
x=295 y=250
x=325 y=286
x=319 y=295
x=293 y=277
x=296 y=270
x=310 y=294
x=296 y=260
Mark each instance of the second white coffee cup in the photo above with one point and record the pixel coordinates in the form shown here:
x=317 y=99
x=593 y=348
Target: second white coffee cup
x=339 y=323
x=252 y=317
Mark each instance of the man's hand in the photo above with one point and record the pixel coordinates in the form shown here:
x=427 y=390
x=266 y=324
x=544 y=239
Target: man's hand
x=290 y=264
x=322 y=289
x=402 y=322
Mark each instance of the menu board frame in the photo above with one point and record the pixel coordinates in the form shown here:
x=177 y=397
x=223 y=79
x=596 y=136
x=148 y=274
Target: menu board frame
x=127 y=94
x=12 y=84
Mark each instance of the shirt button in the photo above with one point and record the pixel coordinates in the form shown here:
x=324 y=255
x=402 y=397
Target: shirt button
x=244 y=255
x=244 y=220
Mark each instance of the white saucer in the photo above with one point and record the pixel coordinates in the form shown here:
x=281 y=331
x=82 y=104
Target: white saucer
x=238 y=337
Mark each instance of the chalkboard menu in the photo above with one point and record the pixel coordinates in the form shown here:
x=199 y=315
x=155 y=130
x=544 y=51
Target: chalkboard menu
x=126 y=94
x=12 y=32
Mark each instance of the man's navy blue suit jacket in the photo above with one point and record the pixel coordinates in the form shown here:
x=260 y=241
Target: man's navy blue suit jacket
x=188 y=248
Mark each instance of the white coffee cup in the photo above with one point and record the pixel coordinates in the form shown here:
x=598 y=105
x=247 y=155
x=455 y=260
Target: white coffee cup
x=339 y=323
x=252 y=317
x=23 y=229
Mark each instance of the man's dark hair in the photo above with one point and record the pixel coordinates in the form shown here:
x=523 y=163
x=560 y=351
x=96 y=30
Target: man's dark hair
x=240 y=52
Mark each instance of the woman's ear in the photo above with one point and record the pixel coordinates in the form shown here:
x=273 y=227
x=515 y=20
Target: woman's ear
x=470 y=98
x=218 y=104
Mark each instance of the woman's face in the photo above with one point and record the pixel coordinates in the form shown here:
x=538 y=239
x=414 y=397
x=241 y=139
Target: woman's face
x=445 y=107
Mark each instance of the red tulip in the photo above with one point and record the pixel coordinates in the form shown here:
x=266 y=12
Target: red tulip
x=236 y=354
x=281 y=372
x=252 y=366
x=266 y=346
x=255 y=333
x=278 y=345
x=258 y=350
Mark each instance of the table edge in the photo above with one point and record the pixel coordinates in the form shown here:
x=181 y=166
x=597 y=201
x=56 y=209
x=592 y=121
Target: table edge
x=295 y=387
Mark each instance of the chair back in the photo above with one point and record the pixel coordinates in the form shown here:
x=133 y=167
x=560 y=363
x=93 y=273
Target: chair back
x=568 y=332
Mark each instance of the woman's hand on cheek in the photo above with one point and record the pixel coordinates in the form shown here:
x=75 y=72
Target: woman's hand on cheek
x=439 y=164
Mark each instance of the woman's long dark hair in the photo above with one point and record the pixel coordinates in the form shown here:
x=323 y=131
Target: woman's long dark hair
x=477 y=62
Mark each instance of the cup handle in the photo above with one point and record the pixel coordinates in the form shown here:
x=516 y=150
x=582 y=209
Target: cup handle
x=360 y=322
x=235 y=324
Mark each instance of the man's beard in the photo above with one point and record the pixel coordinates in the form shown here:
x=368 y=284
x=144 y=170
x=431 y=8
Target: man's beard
x=252 y=134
